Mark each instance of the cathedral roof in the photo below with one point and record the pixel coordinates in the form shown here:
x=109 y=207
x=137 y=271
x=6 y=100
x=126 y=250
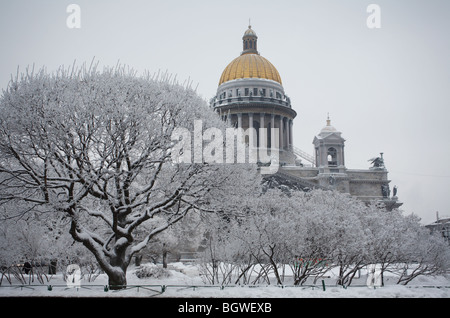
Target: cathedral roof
x=250 y=64
x=328 y=128
x=328 y=131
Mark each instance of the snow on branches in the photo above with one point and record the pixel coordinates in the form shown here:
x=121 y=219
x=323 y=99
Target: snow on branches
x=96 y=146
x=306 y=234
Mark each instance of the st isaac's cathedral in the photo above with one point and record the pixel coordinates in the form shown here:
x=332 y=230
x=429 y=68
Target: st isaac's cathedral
x=251 y=95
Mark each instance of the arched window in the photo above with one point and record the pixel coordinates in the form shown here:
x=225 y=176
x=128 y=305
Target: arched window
x=332 y=156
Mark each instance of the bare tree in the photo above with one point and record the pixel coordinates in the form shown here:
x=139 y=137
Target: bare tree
x=97 y=146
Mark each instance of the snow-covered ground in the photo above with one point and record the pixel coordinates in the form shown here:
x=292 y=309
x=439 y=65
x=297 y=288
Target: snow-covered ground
x=184 y=281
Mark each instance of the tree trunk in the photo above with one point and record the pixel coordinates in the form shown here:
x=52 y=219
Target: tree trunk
x=138 y=260
x=164 y=259
x=117 y=280
x=52 y=267
x=117 y=275
x=274 y=264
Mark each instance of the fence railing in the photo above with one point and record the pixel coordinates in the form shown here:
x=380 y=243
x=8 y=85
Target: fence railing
x=158 y=289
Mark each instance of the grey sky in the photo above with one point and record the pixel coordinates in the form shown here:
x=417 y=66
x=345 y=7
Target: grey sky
x=387 y=90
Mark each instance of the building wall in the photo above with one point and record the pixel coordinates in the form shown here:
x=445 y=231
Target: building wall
x=365 y=184
x=367 y=190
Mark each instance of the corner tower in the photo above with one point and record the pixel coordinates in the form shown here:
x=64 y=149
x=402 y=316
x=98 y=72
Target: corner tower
x=251 y=95
x=329 y=153
x=329 y=148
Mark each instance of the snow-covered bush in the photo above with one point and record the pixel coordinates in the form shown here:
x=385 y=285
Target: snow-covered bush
x=152 y=271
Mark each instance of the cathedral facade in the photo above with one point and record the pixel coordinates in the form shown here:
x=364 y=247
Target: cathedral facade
x=251 y=95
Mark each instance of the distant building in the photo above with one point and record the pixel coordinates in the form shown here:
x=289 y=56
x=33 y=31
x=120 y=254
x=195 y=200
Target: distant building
x=441 y=225
x=251 y=95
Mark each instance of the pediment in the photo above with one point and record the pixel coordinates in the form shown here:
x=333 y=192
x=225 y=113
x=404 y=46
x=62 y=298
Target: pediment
x=329 y=137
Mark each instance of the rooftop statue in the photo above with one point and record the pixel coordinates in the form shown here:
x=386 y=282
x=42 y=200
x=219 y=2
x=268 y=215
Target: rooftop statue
x=377 y=162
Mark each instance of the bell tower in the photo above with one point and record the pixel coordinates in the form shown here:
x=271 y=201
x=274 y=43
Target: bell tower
x=329 y=153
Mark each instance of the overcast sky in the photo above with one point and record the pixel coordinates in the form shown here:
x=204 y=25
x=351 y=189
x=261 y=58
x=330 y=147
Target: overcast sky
x=387 y=89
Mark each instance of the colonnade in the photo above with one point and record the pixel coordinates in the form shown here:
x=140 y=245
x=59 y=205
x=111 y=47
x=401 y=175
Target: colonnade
x=268 y=121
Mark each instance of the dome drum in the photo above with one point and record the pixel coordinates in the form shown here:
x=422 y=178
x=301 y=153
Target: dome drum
x=251 y=91
x=246 y=102
x=267 y=108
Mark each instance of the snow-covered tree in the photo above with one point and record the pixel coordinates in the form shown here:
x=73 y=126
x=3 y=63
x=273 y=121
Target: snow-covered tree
x=420 y=252
x=29 y=238
x=272 y=231
x=315 y=231
x=384 y=234
x=316 y=243
x=184 y=236
x=97 y=146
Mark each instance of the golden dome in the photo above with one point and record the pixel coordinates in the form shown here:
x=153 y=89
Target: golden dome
x=250 y=66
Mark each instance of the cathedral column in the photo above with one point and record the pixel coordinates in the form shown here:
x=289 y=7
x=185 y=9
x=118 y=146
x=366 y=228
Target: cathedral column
x=251 y=136
x=341 y=156
x=288 y=134
x=262 y=132
x=239 y=120
x=273 y=143
x=291 y=141
x=281 y=133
